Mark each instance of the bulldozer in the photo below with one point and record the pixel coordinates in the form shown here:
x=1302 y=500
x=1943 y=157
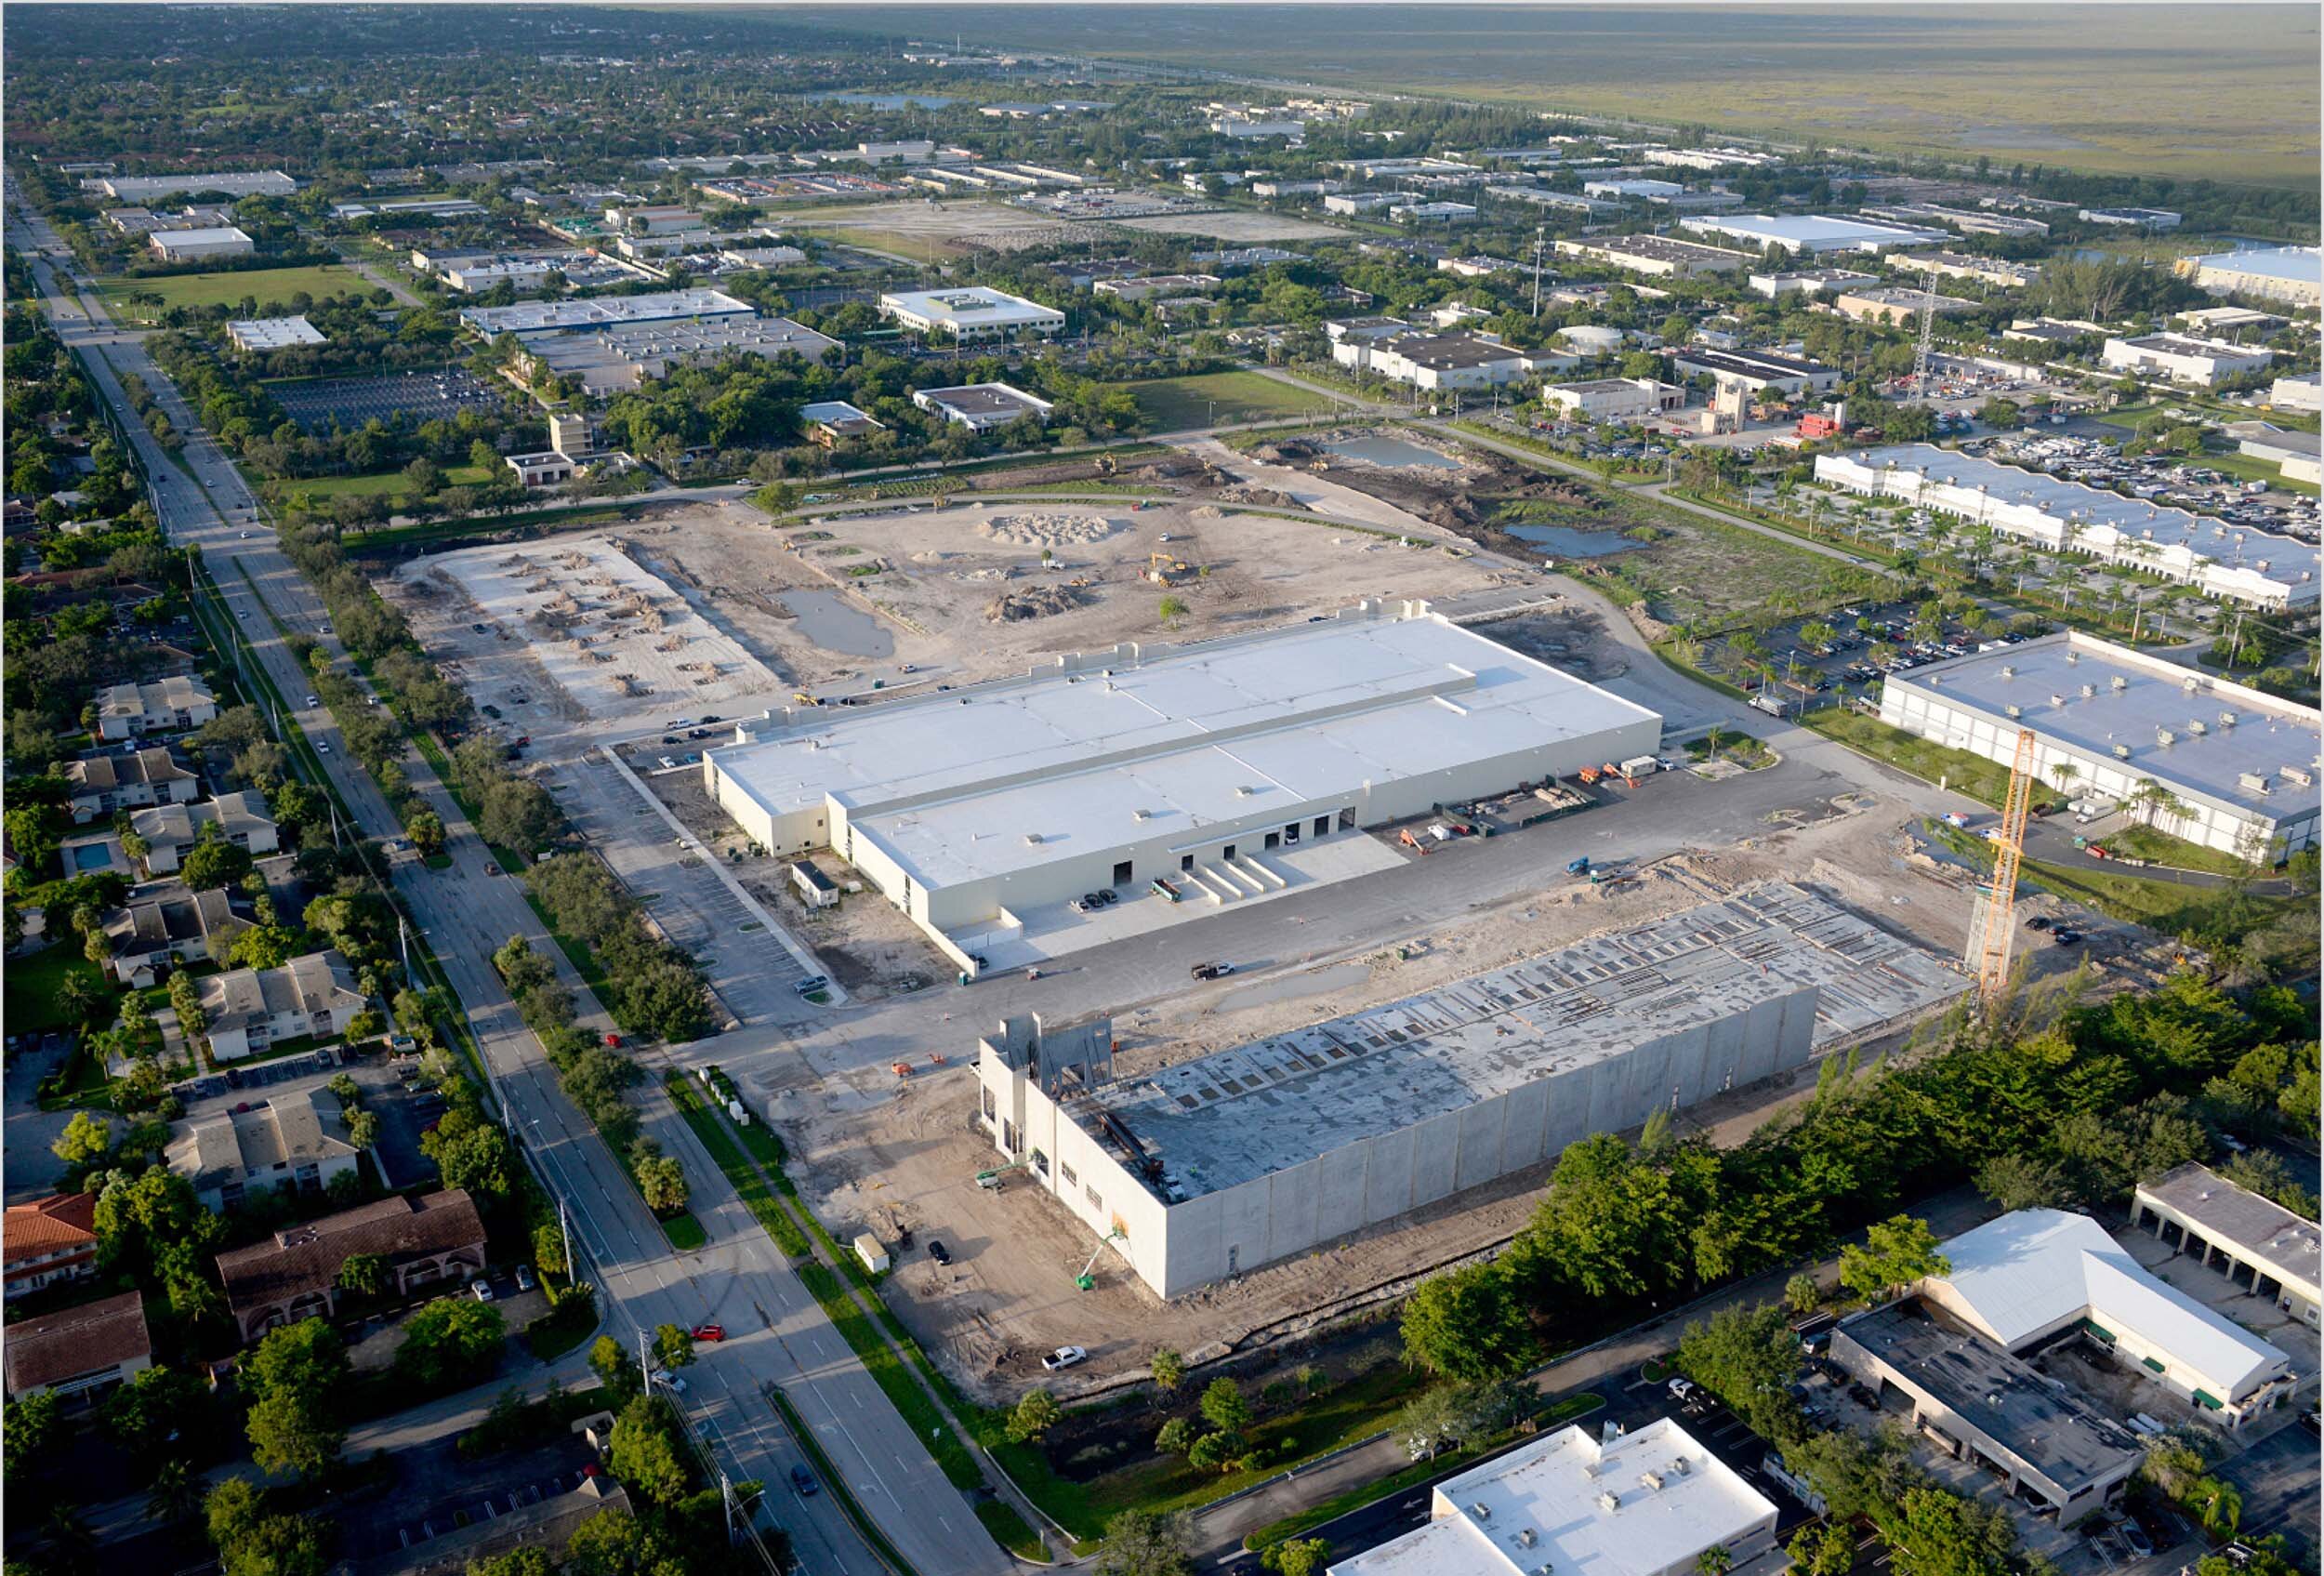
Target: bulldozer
x=1164 y=570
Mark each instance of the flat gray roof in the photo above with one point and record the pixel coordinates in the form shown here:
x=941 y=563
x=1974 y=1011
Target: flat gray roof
x=2067 y=1441
x=2235 y=1217
x=2044 y=679
x=2055 y=496
x=1250 y=1110
x=602 y=312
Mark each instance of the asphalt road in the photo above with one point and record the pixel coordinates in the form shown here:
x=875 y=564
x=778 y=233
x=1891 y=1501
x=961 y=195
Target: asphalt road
x=778 y=1334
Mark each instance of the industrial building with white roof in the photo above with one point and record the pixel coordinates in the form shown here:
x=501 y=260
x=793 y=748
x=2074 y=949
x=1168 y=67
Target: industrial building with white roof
x=2212 y=555
x=2254 y=1241
x=2031 y=1275
x=969 y=312
x=1812 y=234
x=603 y=311
x=1648 y=1503
x=2242 y=765
x=1258 y=1152
x=1108 y=769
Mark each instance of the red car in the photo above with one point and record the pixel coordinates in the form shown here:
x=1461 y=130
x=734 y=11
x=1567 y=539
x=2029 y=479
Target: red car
x=612 y=1041
x=710 y=1333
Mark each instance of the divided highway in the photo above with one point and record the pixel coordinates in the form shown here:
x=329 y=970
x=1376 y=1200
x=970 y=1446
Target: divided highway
x=777 y=1332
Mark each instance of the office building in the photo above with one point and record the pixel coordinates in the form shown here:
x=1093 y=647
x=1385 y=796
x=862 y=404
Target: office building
x=200 y=245
x=1614 y=399
x=982 y=406
x=1648 y=1503
x=1656 y=257
x=1215 y=1165
x=2228 y=560
x=274 y=334
x=1775 y=284
x=2181 y=358
x=2240 y=766
x=972 y=313
x=1443 y=361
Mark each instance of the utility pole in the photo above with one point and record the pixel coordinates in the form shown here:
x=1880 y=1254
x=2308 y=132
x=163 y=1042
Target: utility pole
x=645 y=1361
x=564 y=1235
x=1539 y=231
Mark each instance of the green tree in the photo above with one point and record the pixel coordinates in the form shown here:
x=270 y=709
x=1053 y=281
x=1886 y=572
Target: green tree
x=175 y=1494
x=470 y=1153
x=29 y=1431
x=85 y=1140
x=363 y=1274
x=1225 y=1407
x=1168 y=1370
x=1174 y=608
x=1716 y=1560
x=662 y=1183
x=1468 y=1323
x=1746 y=1357
x=156 y=1414
x=1895 y=1253
x=2017 y=1181
x=452 y=1343
x=1175 y=1438
x=297 y=1381
x=615 y=1368
x=1304 y=1556
x=673 y=1346
x=1826 y=1548
x=1033 y=1415
x=251 y=1543
x=212 y=862
x=645 y=1453
x=362 y=1129
x=548 y=1247
x=1145 y=1542
x=1801 y=1293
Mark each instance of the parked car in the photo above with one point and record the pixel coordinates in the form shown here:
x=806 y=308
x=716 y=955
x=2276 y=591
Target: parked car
x=937 y=1250
x=480 y=1290
x=2064 y=938
x=526 y=1281
x=803 y=1482
x=812 y=983
x=1212 y=971
x=1064 y=1357
x=708 y=1332
x=2135 y=1536
x=2039 y=922
x=669 y=1381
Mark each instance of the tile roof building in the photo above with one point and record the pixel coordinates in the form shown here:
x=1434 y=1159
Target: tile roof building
x=81 y=1351
x=103 y=785
x=172 y=925
x=295 y=1274
x=164 y=706
x=170 y=830
x=49 y=1240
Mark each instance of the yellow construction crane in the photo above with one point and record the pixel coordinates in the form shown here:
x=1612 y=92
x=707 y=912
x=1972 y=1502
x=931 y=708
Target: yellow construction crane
x=1990 y=944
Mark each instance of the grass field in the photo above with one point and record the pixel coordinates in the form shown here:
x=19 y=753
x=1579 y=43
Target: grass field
x=1174 y=404
x=1957 y=769
x=382 y=482
x=277 y=284
x=2127 y=89
x=31 y=988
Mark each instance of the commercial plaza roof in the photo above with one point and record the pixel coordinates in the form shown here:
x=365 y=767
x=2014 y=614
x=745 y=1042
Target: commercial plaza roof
x=274 y=333
x=1813 y=232
x=600 y=312
x=1247 y=1111
x=2062 y=500
x=970 y=307
x=2053 y=1430
x=1012 y=775
x=1547 y=1503
x=2045 y=679
x=2256 y=1228
x=2033 y=1271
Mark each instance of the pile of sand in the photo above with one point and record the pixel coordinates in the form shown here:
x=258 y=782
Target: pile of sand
x=1047 y=530
x=1034 y=602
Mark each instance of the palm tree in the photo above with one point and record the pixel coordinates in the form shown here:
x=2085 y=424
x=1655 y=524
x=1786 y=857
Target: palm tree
x=2064 y=772
x=176 y=1495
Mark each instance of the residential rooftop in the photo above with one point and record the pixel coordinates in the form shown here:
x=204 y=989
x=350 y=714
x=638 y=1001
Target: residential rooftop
x=1247 y=1111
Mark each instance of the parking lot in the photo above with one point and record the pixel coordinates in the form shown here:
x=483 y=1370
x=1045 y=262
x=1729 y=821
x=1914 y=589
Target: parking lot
x=318 y=403
x=1865 y=640
x=753 y=973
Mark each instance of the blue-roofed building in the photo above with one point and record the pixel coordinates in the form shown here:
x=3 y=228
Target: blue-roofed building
x=2277 y=273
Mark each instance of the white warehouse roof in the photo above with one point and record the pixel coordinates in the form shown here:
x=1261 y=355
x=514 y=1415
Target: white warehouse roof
x=972 y=307
x=1010 y=776
x=2034 y=1271
x=1811 y=233
x=1544 y=1507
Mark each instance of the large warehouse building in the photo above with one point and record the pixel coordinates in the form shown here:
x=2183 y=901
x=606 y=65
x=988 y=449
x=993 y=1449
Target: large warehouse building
x=971 y=312
x=2222 y=560
x=2275 y=274
x=1648 y=1503
x=2242 y=765
x=1107 y=769
x=1251 y=1154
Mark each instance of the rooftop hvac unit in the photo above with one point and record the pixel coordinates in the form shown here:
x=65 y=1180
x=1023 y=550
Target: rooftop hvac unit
x=1482 y=1511
x=2165 y=738
x=1652 y=1479
x=2122 y=752
x=1244 y=790
x=1682 y=1467
x=2254 y=782
x=2300 y=774
x=2118 y=683
x=2072 y=657
x=2057 y=700
x=2195 y=728
x=2008 y=671
x=2190 y=683
x=2089 y=691
x=2226 y=719
x=1033 y=839
x=1609 y=1501
x=2014 y=711
x=1526 y=1537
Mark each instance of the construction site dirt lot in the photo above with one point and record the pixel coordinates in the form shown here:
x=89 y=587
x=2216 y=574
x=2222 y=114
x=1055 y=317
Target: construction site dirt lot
x=575 y=632
x=907 y=1156
x=1234 y=224
x=914 y=227
x=985 y=590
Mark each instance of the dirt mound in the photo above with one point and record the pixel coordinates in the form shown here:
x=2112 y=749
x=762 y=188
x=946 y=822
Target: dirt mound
x=1034 y=602
x=1047 y=530
x=1259 y=497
